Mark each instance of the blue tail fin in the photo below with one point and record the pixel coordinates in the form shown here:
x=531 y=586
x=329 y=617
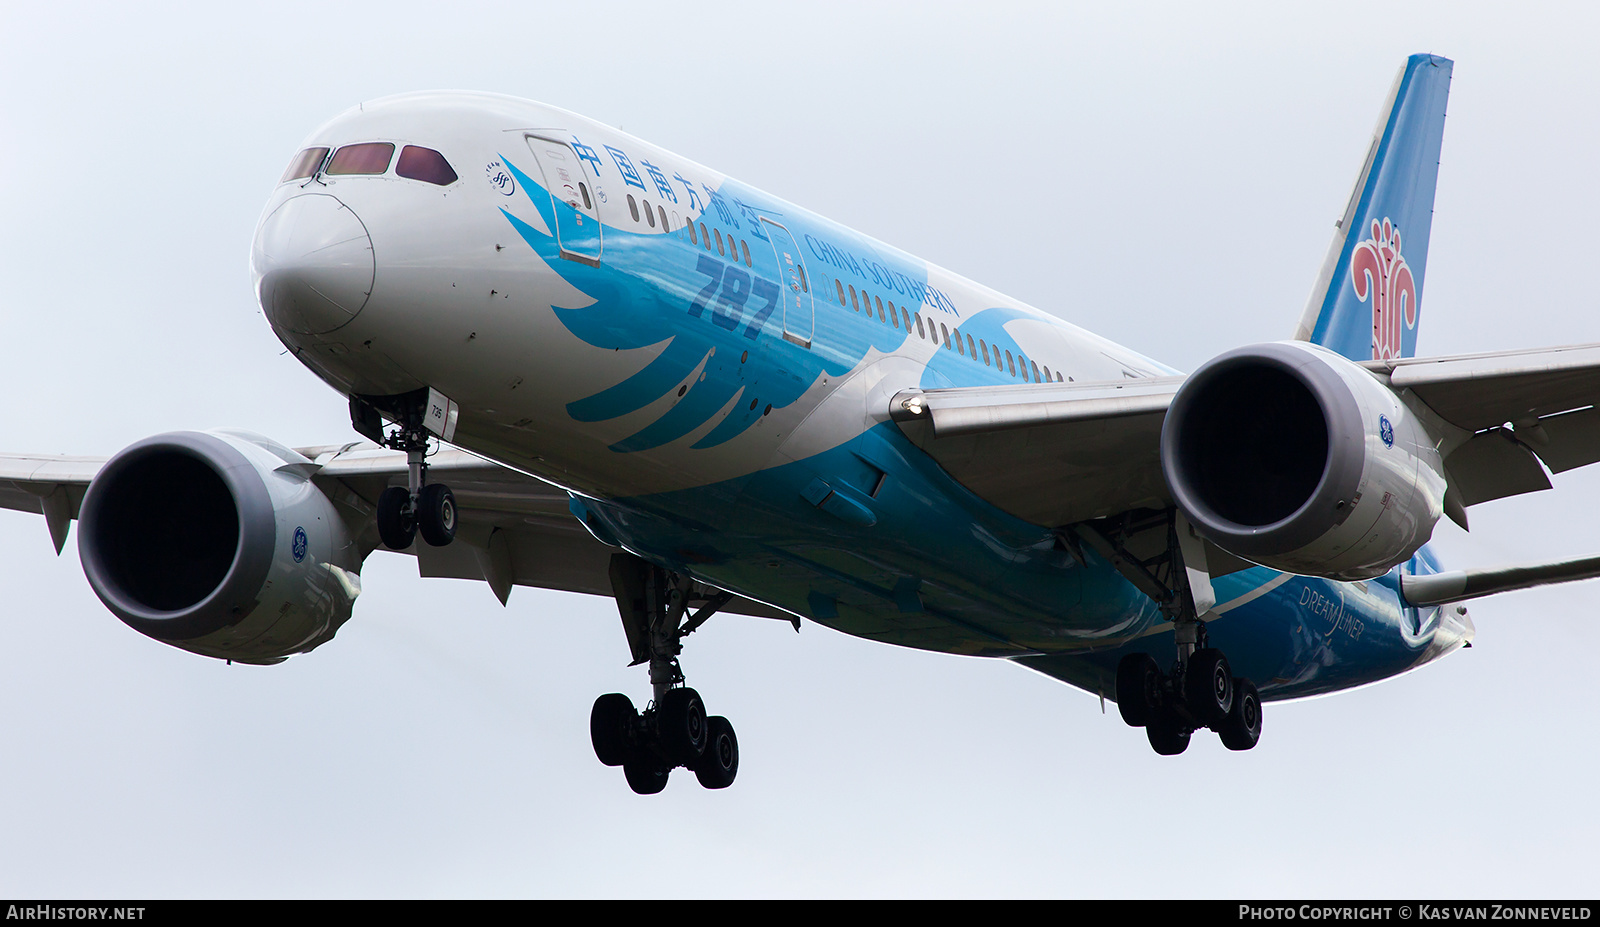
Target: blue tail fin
x=1367 y=300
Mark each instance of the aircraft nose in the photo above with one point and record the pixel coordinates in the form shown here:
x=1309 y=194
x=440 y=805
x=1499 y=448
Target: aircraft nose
x=313 y=265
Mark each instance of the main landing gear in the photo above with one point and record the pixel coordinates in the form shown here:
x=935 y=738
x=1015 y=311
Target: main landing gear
x=1198 y=692
x=1160 y=553
x=673 y=730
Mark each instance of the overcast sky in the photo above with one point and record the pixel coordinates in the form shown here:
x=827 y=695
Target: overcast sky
x=1186 y=163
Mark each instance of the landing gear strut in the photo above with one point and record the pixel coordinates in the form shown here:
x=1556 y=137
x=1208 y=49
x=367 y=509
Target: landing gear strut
x=674 y=730
x=1162 y=556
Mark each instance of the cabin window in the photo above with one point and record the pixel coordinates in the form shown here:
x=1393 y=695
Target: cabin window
x=662 y=212
x=894 y=316
x=840 y=284
x=920 y=333
x=718 y=233
x=304 y=164
x=853 y=304
x=972 y=349
x=1035 y=365
x=705 y=236
x=427 y=165
x=879 y=301
x=907 y=317
x=985 y=349
x=1010 y=363
x=367 y=158
x=1047 y=376
x=805 y=285
x=946 y=330
x=693 y=238
x=633 y=207
x=746 y=249
x=649 y=216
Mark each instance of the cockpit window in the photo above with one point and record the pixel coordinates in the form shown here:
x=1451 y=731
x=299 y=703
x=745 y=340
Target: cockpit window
x=366 y=158
x=425 y=164
x=304 y=164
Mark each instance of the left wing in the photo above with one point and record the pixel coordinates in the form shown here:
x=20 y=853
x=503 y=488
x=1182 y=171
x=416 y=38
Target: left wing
x=46 y=485
x=514 y=530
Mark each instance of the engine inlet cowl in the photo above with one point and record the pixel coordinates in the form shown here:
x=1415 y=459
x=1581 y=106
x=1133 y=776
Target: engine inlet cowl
x=1294 y=457
x=217 y=543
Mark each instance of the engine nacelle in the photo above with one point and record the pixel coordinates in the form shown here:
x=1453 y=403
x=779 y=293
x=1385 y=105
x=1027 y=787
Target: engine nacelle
x=1291 y=456
x=219 y=543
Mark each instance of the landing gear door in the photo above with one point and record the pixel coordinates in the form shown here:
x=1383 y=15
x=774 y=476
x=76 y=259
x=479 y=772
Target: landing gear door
x=572 y=196
x=798 y=314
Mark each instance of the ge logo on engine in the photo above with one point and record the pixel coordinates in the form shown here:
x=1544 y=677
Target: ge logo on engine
x=299 y=546
x=1385 y=431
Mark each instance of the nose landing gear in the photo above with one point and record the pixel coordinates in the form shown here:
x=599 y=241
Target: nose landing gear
x=674 y=730
x=403 y=511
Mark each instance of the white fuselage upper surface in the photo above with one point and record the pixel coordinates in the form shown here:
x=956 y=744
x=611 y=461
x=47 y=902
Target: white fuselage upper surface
x=459 y=303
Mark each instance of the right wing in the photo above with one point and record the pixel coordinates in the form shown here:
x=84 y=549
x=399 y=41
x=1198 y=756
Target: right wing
x=1518 y=405
x=1061 y=453
x=1049 y=453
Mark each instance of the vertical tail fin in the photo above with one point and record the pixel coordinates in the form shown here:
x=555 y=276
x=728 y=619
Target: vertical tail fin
x=1367 y=300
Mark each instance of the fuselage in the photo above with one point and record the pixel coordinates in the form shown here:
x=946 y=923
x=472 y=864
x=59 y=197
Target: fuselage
x=708 y=370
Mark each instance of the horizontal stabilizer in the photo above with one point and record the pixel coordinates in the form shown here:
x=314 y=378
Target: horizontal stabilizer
x=1460 y=585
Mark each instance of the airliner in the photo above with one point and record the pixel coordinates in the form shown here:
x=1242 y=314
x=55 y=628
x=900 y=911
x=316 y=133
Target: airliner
x=577 y=361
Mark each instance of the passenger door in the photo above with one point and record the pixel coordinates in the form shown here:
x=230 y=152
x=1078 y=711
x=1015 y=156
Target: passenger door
x=798 y=314
x=572 y=197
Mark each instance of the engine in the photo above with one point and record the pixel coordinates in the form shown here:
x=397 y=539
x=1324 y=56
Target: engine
x=219 y=543
x=1291 y=456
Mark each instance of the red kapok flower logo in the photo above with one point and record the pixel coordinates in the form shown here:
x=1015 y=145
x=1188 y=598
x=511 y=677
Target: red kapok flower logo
x=1378 y=270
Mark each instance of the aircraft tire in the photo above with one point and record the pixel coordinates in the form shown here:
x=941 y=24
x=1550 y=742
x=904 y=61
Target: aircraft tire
x=1138 y=688
x=1167 y=735
x=396 y=528
x=609 y=724
x=436 y=514
x=646 y=775
x=1241 y=730
x=720 y=763
x=1208 y=686
x=681 y=725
